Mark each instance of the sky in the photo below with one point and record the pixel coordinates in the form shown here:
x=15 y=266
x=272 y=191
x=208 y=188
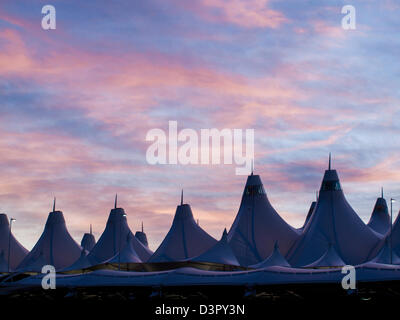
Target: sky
x=77 y=102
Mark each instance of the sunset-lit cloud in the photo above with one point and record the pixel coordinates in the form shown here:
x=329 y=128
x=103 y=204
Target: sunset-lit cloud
x=244 y=13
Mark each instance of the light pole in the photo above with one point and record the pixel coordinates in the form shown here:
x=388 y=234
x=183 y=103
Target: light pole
x=391 y=228
x=119 y=251
x=9 y=245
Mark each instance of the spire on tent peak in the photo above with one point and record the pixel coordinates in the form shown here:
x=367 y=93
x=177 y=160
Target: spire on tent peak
x=182 y=197
x=252 y=166
x=224 y=234
x=330 y=161
x=115 y=202
x=382 y=192
x=224 y=237
x=253 y=180
x=330 y=182
x=54 y=204
x=142 y=237
x=90 y=228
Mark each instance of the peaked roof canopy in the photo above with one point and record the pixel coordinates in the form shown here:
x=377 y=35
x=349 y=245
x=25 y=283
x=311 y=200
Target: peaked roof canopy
x=395 y=235
x=3 y=263
x=221 y=253
x=380 y=219
x=185 y=239
x=114 y=237
x=88 y=241
x=127 y=254
x=310 y=212
x=335 y=222
x=258 y=226
x=82 y=262
x=329 y=259
x=386 y=256
x=17 y=251
x=275 y=259
x=55 y=247
x=142 y=237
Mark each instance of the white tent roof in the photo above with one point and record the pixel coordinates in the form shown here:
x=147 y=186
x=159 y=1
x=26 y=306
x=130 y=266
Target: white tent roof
x=142 y=237
x=184 y=240
x=275 y=259
x=221 y=252
x=258 y=226
x=3 y=262
x=82 y=263
x=17 y=252
x=127 y=254
x=380 y=219
x=194 y=277
x=310 y=212
x=329 y=259
x=88 y=241
x=36 y=263
x=334 y=221
x=395 y=235
x=113 y=239
x=383 y=255
x=55 y=246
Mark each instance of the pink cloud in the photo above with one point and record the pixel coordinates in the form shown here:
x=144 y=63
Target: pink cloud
x=138 y=81
x=384 y=171
x=243 y=13
x=249 y=14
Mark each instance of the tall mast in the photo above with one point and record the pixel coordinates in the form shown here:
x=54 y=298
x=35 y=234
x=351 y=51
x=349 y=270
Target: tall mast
x=330 y=160
x=182 y=197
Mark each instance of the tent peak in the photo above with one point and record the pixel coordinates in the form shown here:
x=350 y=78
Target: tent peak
x=224 y=237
